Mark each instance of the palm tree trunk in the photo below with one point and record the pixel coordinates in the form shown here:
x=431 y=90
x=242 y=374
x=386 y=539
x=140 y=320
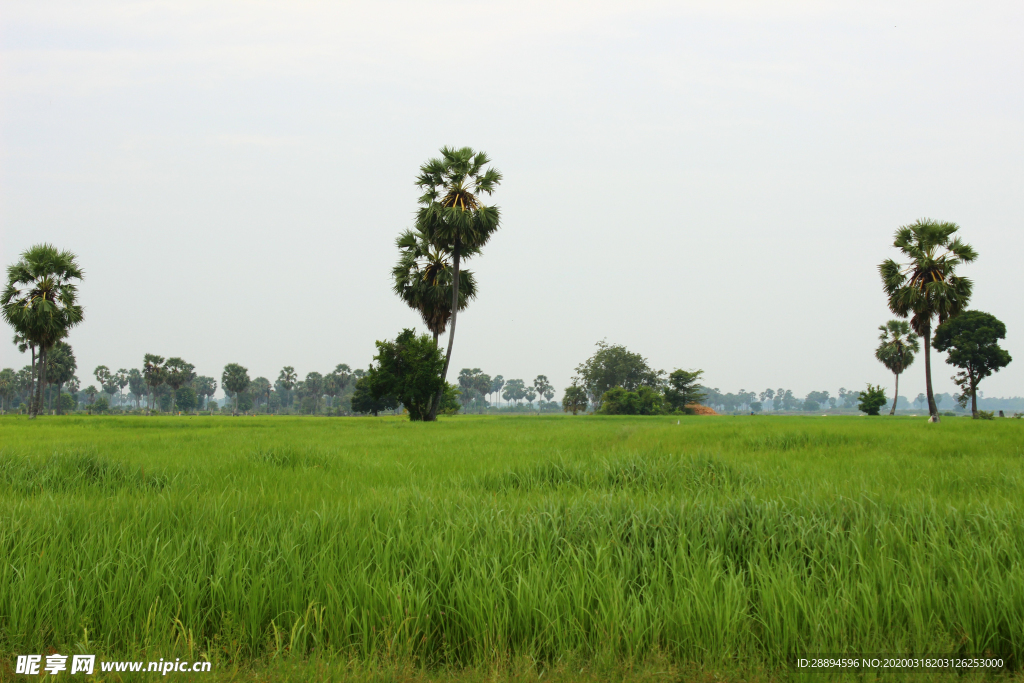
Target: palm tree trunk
x=933 y=410
x=432 y=415
x=42 y=380
x=32 y=385
x=896 y=396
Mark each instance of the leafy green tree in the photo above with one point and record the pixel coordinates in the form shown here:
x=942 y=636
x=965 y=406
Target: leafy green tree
x=185 y=398
x=235 y=379
x=927 y=286
x=684 y=389
x=66 y=403
x=972 y=340
x=61 y=367
x=155 y=374
x=872 y=399
x=40 y=303
x=104 y=378
x=615 y=366
x=896 y=351
x=409 y=368
x=179 y=374
x=643 y=401
x=574 y=400
x=364 y=402
x=101 y=405
x=423 y=280
x=515 y=390
x=137 y=386
x=205 y=387
x=452 y=216
x=473 y=385
x=259 y=389
x=529 y=395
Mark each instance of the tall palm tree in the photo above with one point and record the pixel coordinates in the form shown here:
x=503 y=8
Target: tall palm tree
x=451 y=215
x=155 y=374
x=178 y=374
x=423 y=280
x=927 y=286
x=41 y=303
x=896 y=351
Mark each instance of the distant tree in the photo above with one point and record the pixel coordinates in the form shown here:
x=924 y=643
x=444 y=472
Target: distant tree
x=178 y=374
x=259 y=389
x=530 y=395
x=155 y=374
x=683 y=389
x=40 y=303
x=872 y=399
x=615 y=366
x=972 y=340
x=103 y=377
x=574 y=400
x=921 y=401
x=90 y=396
x=286 y=380
x=814 y=400
x=314 y=384
x=8 y=388
x=755 y=406
x=409 y=369
x=136 y=385
x=515 y=390
x=185 y=399
x=541 y=385
x=896 y=351
x=927 y=286
x=364 y=402
x=766 y=395
x=453 y=216
x=469 y=383
x=497 y=384
x=236 y=380
x=205 y=388
x=60 y=367
x=643 y=401
x=810 y=405
x=101 y=405
x=121 y=381
x=549 y=394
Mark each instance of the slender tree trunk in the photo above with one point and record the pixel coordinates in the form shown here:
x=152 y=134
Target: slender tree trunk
x=42 y=379
x=32 y=385
x=896 y=397
x=432 y=415
x=974 y=398
x=933 y=410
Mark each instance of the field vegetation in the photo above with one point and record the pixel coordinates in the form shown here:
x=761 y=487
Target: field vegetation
x=504 y=545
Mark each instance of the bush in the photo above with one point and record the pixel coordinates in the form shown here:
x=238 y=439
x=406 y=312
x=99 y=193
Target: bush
x=186 y=399
x=409 y=369
x=101 y=405
x=67 y=404
x=643 y=401
x=986 y=415
x=872 y=399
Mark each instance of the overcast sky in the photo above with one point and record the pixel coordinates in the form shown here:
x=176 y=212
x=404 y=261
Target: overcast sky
x=712 y=184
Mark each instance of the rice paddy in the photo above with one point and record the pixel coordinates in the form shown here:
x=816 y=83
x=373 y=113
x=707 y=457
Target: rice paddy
x=499 y=545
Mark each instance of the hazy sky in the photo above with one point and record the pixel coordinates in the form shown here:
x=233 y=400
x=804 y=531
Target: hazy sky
x=712 y=184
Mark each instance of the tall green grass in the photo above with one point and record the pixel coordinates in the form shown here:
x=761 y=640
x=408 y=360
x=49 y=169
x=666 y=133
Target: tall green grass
x=717 y=541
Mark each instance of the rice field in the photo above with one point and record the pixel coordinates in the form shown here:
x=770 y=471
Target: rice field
x=510 y=548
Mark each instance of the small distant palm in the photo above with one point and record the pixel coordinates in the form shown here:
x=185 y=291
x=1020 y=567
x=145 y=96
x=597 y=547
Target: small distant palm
x=896 y=351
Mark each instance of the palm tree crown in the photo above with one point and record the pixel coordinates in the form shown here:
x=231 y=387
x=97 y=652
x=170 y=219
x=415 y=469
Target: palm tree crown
x=423 y=280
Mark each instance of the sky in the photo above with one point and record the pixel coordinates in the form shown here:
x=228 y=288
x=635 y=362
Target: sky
x=710 y=184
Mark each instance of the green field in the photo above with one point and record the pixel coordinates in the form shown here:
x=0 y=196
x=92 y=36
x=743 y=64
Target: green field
x=510 y=547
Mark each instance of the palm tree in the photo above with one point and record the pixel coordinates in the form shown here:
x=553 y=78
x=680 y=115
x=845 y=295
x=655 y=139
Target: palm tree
x=423 y=280
x=61 y=366
x=896 y=351
x=542 y=387
x=927 y=286
x=121 y=381
x=287 y=379
x=40 y=303
x=452 y=216
x=236 y=380
x=179 y=374
x=155 y=375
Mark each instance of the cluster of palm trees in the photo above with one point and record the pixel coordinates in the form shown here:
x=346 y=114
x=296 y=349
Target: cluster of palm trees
x=452 y=225
x=926 y=289
x=474 y=384
x=40 y=302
